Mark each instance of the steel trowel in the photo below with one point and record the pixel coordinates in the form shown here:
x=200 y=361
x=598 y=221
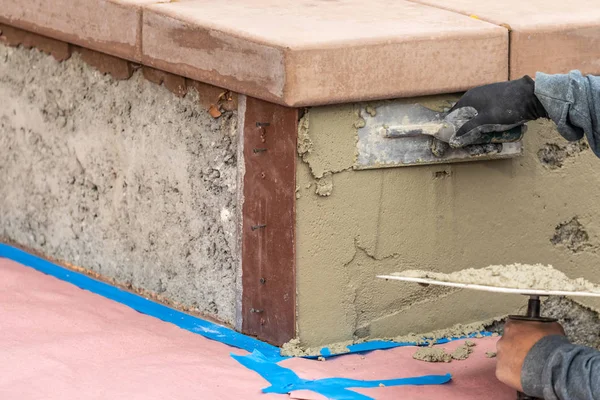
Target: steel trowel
x=445 y=125
x=403 y=133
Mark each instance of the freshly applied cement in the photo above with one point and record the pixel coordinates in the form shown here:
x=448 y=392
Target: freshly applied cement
x=516 y=276
x=438 y=218
x=295 y=348
x=120 y=177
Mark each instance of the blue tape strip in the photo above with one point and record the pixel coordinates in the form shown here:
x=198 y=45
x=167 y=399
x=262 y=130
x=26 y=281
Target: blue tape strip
x=386 y=344
x=193 y=324
x=284 y=380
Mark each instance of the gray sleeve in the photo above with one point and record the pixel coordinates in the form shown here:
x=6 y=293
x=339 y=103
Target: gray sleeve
x=573 y=103
x=555 y=369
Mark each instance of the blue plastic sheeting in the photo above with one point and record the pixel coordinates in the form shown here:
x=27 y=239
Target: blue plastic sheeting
x=387 y=344
x=284 y=380
x=193 y=324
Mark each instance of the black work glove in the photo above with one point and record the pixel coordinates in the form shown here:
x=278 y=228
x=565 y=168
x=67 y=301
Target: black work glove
x=500 y=107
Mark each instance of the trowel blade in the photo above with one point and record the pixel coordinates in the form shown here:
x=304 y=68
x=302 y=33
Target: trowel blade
x=497 y=289
x=376 y=149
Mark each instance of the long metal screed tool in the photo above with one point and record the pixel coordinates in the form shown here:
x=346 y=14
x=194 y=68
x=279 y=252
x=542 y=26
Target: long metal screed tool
x=533 y=305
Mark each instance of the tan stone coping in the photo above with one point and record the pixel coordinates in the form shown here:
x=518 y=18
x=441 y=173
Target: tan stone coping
x=311 y=52
x=552 y=36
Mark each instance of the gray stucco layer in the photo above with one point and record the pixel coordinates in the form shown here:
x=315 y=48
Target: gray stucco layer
x=119 y=177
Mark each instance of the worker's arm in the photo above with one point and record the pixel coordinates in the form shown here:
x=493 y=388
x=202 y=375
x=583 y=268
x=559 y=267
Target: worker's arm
x=537 y=359
x=571 y=100
x=573 y=103
x=555 y=369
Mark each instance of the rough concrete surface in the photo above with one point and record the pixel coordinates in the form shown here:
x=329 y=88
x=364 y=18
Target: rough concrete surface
x=441 y=218
x=582 y=324
x=554 y=155
x=572 y=235
x=120 y=177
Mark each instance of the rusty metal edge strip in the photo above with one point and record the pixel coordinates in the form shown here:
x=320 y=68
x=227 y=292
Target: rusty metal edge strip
x=268 y=254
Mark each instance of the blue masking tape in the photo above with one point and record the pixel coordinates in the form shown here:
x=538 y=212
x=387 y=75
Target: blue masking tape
x=193 y=324
x=325 y=352
x=284 y=380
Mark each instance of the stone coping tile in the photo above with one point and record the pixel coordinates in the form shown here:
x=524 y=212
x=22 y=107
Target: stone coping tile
x=310 y=52
x=552 y=36
x=109 y=26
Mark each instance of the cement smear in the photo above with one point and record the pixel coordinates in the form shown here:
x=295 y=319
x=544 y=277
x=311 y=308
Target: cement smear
x=432 y=354
x=554 y=156
x=120 y=177
x=463 y=351
x=439 y=354
x=304 y=143
x=295 y=348
x=572 y=235
x=324 y=185
x=518 y=276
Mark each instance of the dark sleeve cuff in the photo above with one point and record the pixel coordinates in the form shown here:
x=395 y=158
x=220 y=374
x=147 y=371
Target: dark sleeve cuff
x=536 y=360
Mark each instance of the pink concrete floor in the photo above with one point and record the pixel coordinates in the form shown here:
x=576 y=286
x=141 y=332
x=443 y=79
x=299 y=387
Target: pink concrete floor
x=61 y=342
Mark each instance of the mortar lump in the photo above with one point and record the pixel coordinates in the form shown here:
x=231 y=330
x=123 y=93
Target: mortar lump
x=516 y=276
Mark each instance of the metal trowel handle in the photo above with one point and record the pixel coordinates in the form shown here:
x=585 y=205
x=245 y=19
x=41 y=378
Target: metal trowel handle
x=534 y=315
x=443 y=131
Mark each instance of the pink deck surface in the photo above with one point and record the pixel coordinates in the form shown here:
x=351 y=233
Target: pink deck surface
x=61 y=342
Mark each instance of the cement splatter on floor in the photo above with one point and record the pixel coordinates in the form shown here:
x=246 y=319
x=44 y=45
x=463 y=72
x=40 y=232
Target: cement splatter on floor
x=439 y=354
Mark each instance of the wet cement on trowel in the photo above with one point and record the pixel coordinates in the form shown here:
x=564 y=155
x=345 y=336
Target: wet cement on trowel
x=517 y=276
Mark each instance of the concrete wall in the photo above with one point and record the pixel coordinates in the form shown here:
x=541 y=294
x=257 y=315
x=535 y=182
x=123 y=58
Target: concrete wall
x=353 y=225
x=120 y=177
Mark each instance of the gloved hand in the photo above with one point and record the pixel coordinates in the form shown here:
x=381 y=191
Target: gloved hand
x=500 y=107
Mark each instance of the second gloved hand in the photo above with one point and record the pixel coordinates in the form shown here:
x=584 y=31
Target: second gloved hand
x=500 y=107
